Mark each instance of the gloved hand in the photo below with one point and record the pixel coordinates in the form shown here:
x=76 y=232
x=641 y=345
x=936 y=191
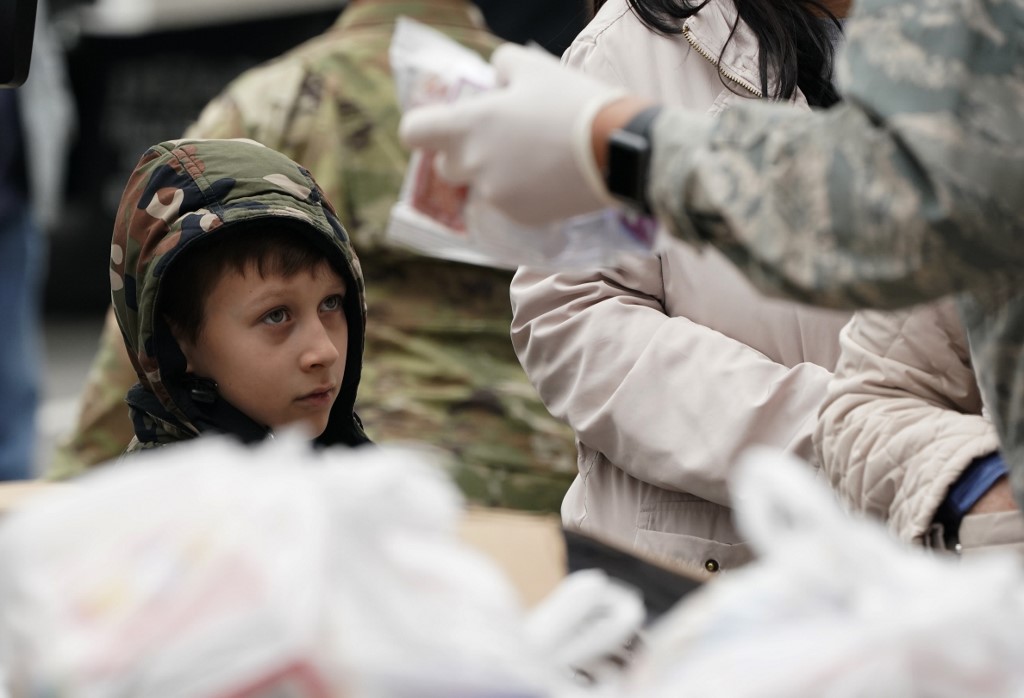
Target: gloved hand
x=524 y=147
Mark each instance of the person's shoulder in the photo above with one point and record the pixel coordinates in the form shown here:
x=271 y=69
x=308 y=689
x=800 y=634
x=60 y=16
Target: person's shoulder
x=322 y=55
x=266 y=101
x=614 y=21
x=606 y=39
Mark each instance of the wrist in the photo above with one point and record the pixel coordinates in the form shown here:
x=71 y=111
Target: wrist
x=609 y=119
x=627 y=172
x=975 y=481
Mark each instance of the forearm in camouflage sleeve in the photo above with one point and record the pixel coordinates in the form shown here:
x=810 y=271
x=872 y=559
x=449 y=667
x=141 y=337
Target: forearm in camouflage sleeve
x=994 y=319
x=907 y=191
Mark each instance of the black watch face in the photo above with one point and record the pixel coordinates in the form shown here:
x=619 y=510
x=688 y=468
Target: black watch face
x=628 y=156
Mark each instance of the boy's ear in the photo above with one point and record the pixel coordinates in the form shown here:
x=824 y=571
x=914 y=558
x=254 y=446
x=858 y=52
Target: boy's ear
x=186 y=347
x=187 y=351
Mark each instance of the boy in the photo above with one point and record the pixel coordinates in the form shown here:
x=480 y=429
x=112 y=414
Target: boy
x=442 y=367
x=238 y=295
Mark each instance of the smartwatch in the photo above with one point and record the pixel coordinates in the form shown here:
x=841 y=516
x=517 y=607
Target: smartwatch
x=629 y=160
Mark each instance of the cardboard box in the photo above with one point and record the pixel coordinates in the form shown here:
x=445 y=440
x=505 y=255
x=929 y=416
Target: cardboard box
x=15 y=493
x=529 y=548
x=535 y=554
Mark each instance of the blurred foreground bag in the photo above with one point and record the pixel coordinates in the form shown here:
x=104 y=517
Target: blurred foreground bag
x=212 y=570
x=834 y=607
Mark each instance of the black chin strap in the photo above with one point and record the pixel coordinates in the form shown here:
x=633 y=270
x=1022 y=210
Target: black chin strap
x=211 y=413
x=201 y=390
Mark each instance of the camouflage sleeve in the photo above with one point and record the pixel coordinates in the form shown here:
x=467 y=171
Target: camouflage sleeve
x=906 y=191
x=103 y=428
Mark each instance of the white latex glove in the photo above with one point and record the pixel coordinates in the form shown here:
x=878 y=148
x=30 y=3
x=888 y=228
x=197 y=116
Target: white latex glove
x=524 y=147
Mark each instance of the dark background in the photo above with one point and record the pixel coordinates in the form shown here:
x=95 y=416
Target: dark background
x=133 y=91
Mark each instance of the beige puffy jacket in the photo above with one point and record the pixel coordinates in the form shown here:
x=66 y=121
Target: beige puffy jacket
x=903 y=418
x=668 y=367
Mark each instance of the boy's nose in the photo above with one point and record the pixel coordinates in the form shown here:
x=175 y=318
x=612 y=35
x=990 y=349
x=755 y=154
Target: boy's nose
x=319 y=349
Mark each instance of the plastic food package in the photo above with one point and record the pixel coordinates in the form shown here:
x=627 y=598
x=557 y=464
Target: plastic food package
x=834 y=607
x=213 y=570
x=442 y=220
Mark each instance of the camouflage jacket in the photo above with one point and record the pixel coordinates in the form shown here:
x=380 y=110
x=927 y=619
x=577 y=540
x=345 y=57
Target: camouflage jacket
x=180 y=193
x=909 y=190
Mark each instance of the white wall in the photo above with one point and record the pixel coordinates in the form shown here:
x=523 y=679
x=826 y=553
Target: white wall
x=141 y=16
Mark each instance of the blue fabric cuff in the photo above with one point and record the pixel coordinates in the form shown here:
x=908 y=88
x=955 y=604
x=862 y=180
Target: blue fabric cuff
x=972 y=484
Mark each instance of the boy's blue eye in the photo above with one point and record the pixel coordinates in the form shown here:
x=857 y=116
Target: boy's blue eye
x=275 y=317
x=331 y=303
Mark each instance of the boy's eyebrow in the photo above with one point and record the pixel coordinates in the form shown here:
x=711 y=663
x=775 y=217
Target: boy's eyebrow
x=338 y=284
x=274 y=293
x=262 y=298
x=269 y=291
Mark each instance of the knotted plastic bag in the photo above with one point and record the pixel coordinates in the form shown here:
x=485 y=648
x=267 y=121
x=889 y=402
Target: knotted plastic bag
x=834 y=607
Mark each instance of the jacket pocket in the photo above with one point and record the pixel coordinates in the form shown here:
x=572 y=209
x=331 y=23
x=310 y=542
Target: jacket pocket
x=693 y=532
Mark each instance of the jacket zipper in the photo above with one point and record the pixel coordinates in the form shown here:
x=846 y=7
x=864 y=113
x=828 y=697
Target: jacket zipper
x=714 y=61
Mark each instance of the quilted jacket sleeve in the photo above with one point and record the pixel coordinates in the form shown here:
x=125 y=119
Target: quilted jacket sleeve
x=903 y=415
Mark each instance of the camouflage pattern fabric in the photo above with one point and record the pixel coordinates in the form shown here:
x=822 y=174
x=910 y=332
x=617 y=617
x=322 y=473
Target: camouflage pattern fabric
x=180 y=194
x=103 y=428
x=439 y=365
x=909 y=190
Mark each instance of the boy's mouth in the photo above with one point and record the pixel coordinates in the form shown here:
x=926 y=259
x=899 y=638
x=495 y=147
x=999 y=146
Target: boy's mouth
x=319 y=397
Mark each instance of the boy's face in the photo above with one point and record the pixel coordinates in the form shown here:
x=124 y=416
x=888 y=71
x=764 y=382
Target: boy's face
x=275 y=345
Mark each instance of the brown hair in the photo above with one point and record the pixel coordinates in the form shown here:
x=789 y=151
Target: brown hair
x=272 y=249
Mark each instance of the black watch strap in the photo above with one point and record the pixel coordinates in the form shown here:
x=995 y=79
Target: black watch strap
x=629 y=160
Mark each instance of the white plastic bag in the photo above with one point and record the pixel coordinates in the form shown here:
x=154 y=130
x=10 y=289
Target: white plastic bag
x=213 y=570
x=210 y=569
x=441 y=220
x=835 y=608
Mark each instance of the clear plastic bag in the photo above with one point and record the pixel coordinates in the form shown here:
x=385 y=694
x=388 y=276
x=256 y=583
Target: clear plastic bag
x=442 y=220
x=836 y=608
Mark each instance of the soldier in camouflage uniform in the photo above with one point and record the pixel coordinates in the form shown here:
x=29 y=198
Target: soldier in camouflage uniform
x=440 y=365
x=188 y=200
x=909 y=190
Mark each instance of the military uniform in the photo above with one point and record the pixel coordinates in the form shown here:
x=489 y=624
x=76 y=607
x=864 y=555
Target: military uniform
x=909 y=190
x=439 y=365
x=103 y=428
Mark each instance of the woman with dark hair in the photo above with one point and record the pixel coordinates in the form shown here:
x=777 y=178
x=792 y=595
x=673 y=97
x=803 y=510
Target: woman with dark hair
x=797 y=39
x=668 y=366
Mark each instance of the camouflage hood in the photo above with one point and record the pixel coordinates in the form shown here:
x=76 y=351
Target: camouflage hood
x=179 y=193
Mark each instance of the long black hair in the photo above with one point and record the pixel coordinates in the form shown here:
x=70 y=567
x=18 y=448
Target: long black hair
x=795 y=37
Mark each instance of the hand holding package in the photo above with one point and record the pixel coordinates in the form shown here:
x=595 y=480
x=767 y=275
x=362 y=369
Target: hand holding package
x=524 y=146
x=502 y=171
